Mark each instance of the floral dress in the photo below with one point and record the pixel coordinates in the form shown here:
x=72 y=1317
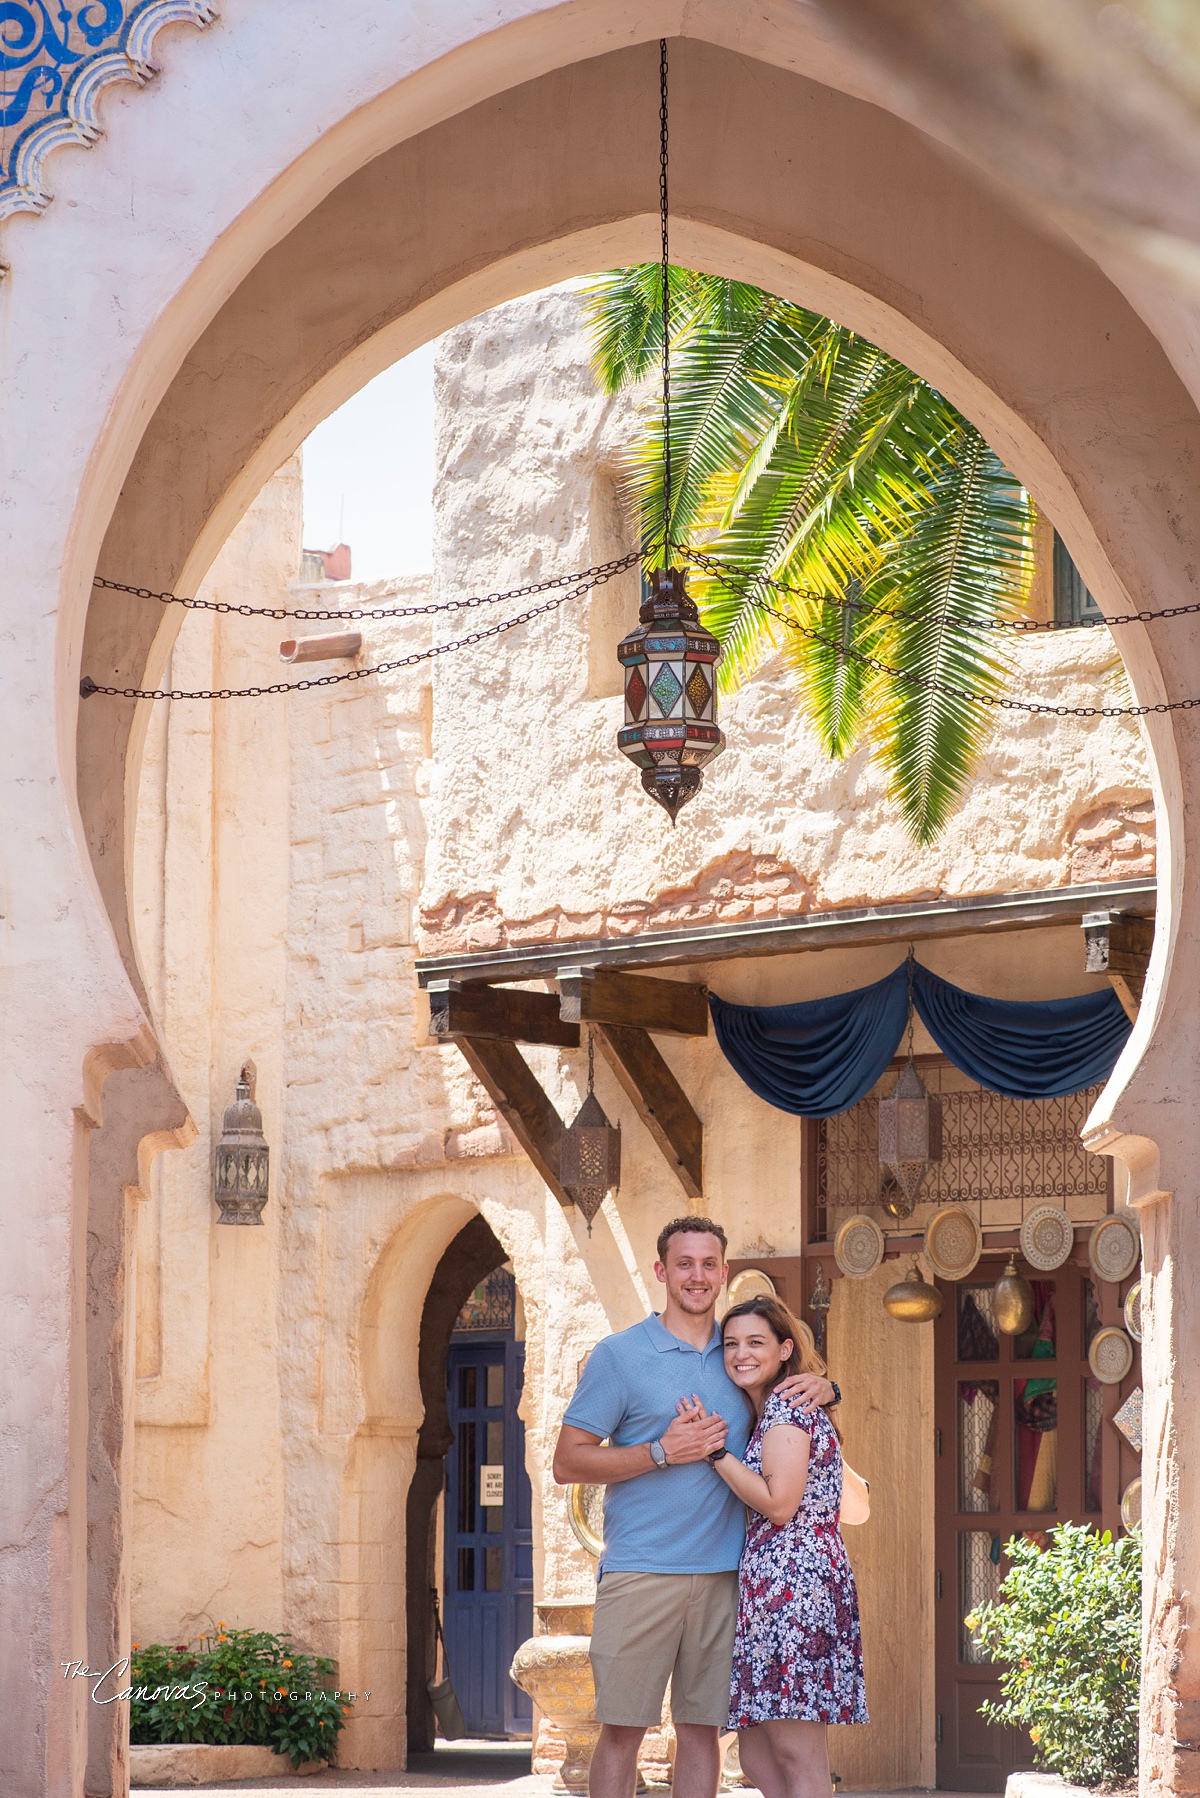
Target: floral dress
x=798 y=1648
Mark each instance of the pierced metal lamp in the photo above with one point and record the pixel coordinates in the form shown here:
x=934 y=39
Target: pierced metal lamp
x=670 y=663
x=243 y=1158
x=590 y=1151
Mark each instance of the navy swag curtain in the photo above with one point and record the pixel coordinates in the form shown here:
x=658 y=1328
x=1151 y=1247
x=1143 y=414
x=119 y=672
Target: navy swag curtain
x=821 y=1056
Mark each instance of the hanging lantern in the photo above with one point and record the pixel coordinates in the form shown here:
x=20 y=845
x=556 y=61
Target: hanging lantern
x=910 y=1132
x=1012 y=1301
x=243 y=1158
x=818 y=1304
x=670 y=664
x=913 y=1301
x=590 y=1152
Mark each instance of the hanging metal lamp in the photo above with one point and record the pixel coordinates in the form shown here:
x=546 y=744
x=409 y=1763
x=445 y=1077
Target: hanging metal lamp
x=913 y=1301
x=590 y=1151
x=243 y=1160
x=910 y=1123
x=669 y=661
x=1012 y=1301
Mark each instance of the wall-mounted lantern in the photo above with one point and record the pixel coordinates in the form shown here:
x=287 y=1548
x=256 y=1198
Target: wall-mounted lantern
x=243 y=1158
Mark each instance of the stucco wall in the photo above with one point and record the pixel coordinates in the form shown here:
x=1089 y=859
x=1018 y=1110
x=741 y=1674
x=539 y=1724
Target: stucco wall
x=291 y=855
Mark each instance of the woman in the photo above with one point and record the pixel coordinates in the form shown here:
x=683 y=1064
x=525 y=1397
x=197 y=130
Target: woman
x=797 y=1658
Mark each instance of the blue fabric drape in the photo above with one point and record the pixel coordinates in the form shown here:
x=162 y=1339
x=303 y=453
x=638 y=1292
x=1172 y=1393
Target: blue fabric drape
x=1025 y=1049
x=821 y=1056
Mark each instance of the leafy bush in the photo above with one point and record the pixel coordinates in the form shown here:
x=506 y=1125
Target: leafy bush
x=1068 y=1624
x=239 y=1686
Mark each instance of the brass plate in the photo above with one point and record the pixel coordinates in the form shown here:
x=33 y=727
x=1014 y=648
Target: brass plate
x=858 y=1247
x=1133 y=1311
x=585 y=1508
x=1114 y=1249
x=1131 y=1504
x=953 y=1242
x=751 y=1283
x=1047 y=1237
x=1110 y=1356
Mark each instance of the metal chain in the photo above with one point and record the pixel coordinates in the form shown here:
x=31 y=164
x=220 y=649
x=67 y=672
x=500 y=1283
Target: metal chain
x=957 y=619
x=88 y=686
x=998 y=700
x=663 y=151
x=596 y=576
x=591 y=1060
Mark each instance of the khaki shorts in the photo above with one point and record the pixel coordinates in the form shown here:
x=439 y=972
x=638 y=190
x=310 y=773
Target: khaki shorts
x=651 y=1627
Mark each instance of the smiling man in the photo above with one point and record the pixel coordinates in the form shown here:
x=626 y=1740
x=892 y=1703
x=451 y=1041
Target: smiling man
x=666 y=1599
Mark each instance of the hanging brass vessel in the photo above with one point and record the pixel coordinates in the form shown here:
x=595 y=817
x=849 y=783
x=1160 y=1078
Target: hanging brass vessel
x=1012 y=1301
x=913 y=1301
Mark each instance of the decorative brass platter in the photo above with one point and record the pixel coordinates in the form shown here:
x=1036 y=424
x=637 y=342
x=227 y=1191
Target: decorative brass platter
x=1133 y=1311
x=1114 y=1249
x=1110 y=1356
x=953 y=1242
x=858 y=1247
x=751 y=1283
x=585 y=1508
x=1047 y=1237
x=1131 y=1504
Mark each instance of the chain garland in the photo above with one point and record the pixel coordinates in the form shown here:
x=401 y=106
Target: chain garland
x=663 y=158
x=87 y=686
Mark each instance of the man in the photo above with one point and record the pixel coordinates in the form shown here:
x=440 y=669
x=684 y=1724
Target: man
x=666 y=1600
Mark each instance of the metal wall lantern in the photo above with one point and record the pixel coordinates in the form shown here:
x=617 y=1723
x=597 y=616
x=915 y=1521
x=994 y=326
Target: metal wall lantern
x=910 y=1135
x=670 y=663
x=243 y=1158
x=590 y=1152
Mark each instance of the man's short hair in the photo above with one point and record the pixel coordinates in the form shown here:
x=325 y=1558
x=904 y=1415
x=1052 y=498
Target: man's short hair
x=690 y=1226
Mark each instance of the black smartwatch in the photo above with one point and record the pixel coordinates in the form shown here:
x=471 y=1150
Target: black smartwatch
x=718 y=1454
x=837 y=1395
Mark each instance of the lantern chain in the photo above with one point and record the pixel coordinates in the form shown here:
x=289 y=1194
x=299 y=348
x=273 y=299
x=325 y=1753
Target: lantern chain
x=663 y=159
x=590 y=577
x=87 y=686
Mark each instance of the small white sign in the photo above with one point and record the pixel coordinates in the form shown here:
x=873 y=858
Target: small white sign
x=491 y=1485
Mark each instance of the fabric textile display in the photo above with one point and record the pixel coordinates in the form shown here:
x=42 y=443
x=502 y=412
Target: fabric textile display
x=821 y=1056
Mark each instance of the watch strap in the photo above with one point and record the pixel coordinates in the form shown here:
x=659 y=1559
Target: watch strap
x=837 y=1393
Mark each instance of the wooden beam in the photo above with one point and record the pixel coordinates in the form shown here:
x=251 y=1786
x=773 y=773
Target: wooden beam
x=1118 y=944
x=514 y=1090
x=661 y=1102
x=498 y=1014
x=606 y=996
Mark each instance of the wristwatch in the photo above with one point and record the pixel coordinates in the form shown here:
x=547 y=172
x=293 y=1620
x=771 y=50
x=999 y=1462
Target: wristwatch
x=718 y=1454
x=837 y=1394
x=658 y=1453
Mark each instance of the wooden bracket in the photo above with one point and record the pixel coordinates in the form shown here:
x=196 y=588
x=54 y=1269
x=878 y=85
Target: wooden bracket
x=1118 y=944
x=592 y=995
x=517 y=1094
x=498 y=1014
x=661 y=1102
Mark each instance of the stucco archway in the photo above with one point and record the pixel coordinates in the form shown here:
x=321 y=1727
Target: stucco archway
x=403 y=189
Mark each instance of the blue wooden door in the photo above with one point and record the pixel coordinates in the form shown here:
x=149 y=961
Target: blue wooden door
x=488 y=1535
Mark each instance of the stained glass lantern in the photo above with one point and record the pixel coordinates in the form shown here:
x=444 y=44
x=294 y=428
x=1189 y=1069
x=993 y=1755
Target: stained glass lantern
x=670 y=664
x=590 y=1154
x=243 y=1158
x=910 y=1132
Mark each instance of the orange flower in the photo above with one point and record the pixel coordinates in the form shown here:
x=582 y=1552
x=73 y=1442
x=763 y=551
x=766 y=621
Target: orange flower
x=220 y=1626
x=287 y=1663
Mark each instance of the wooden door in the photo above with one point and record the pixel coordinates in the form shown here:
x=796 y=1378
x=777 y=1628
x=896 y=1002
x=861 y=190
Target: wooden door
x=1019 y=1446
x=488 y=1536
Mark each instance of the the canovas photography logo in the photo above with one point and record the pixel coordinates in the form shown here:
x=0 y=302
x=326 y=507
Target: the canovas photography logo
x=107 y=1689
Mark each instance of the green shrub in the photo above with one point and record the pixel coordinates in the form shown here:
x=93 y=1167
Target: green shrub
x=240 y=1686
x=1068 y=1625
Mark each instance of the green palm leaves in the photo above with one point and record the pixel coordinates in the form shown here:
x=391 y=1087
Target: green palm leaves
x=803 y=455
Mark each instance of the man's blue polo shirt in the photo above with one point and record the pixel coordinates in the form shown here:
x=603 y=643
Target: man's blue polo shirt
x=673 y=1519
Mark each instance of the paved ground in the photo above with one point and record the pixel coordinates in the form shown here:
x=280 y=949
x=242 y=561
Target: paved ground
x=459 y=1769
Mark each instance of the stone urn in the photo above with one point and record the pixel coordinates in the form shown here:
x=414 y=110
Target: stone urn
x=554 y=1669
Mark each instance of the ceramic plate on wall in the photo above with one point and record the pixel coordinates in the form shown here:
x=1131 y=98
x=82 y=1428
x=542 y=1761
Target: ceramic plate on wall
x=1131 y=1504
x=1133 y=1311
x=751 y=1283
x=1047 y=1237
x=1110 y=1356
x=1114 y=1249
x=953 y=1242
x=858 y=1247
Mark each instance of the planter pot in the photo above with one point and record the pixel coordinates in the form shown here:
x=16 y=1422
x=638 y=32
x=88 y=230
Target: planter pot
x=557 y=1674
x=199 y=1764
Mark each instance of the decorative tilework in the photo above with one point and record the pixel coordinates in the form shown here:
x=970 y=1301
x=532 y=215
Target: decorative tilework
x=55 y=61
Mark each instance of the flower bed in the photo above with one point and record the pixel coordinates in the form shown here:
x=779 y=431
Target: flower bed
x=239 y=1687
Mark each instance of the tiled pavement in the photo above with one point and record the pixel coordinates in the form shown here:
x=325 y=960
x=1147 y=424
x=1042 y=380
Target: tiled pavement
x=459 y=1769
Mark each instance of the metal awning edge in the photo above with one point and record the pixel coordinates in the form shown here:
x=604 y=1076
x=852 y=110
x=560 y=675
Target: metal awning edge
x=857 y=927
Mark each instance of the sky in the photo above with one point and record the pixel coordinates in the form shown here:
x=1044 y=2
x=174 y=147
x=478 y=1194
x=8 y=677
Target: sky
x=368 y=473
